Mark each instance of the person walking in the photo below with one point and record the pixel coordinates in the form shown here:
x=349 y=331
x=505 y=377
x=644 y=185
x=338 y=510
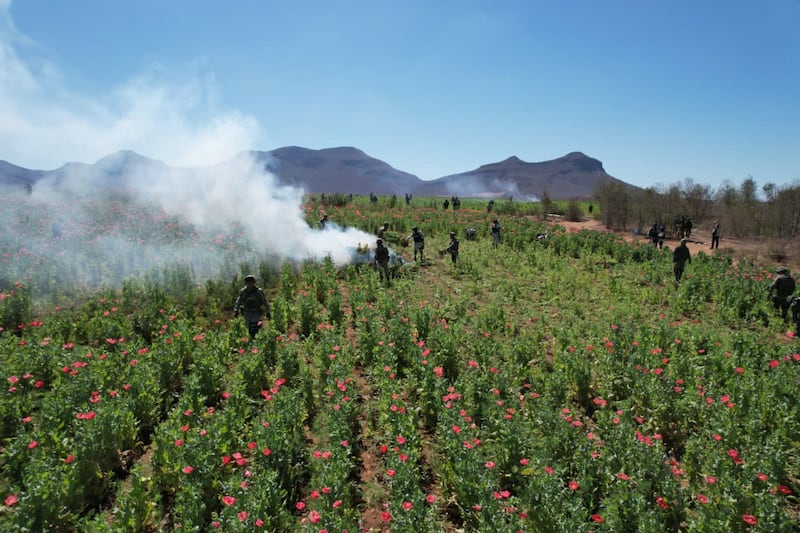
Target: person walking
x=783 y=286
x=419 y=242
x=679 y=258
x=251 y=304
x=496 y=233
x=715 y=235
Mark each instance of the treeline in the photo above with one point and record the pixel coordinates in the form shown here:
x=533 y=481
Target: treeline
x=771 y=211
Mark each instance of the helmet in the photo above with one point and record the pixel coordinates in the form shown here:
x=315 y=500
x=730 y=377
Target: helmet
x=379 y=241
x=452 y=233
x=414 y=228
x=782 y=270
x=249 y=277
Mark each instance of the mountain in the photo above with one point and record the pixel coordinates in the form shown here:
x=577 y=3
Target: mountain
x=346 y=170
x=574 y=175
x=14 y=176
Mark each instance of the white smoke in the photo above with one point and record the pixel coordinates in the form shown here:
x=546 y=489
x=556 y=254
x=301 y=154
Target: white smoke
x=43 y=123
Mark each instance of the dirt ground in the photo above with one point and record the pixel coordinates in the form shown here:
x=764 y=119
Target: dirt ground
x=759 y=251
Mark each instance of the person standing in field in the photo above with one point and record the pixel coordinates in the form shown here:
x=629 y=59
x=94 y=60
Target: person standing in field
x=382 y=230
x=783 y=286
x=452 y=248
x=652 y=234
x=252 y=304
x=496 y=233
x=679 y=258
x=687 y=227
x=382 y=260
x=715 y=235
x=419 y=242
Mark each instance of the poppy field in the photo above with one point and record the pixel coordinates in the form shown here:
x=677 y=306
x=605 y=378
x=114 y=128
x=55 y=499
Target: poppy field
x=557 y=384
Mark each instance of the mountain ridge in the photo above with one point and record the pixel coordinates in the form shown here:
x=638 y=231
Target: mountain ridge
x=349 y=170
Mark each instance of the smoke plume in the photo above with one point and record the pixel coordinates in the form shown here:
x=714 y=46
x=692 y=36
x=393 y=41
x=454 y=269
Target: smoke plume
x=204 y=200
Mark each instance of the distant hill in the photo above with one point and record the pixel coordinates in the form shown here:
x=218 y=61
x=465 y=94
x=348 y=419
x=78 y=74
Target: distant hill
x=347 y=170
x=573 y=176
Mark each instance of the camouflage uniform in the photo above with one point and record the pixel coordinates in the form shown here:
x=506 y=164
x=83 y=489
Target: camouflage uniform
x=452 y=249
x=251 y=304
x=382 y=260
x=783 y=286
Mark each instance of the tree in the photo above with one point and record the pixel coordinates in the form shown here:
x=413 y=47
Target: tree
x=615 y=204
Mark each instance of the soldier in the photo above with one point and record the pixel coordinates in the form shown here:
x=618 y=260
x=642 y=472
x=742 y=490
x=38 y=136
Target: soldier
x=715 y=234
x=471 y=233
x=382 y=260
x=452 y=248
x=653 y=234
x=662 y=233
x=496 y=233
x=794 y=305
x=251 y=304
x=323 y=221
x=382 y=230
x=679 y=258
x=419 y=242
x=687 y=227
x=783 y=286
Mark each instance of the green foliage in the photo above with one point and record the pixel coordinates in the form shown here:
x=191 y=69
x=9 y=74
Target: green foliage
x=565 y=383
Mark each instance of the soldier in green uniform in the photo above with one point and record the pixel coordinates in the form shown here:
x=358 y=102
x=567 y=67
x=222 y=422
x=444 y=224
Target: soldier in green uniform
x=452 y=248
x=679 y=258
x=382 y=260
x=252 y=304
x=783 y=286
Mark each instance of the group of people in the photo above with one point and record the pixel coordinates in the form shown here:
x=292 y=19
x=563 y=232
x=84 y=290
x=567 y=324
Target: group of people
x=681 y=255
x=252 y=303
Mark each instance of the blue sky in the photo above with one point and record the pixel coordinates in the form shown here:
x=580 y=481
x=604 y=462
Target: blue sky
x=658 y=91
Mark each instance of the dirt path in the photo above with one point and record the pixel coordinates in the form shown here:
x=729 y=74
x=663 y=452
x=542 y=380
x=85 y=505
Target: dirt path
x=758 y=251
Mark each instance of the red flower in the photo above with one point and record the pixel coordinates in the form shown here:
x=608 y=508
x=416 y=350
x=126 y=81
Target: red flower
x=407 y=506
x=228 y=500
x=573 y=485
x=188 y=469
x=597 y=518
x=11 y=499
x=749 y=519
x=702 y=498
x=386 y=516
